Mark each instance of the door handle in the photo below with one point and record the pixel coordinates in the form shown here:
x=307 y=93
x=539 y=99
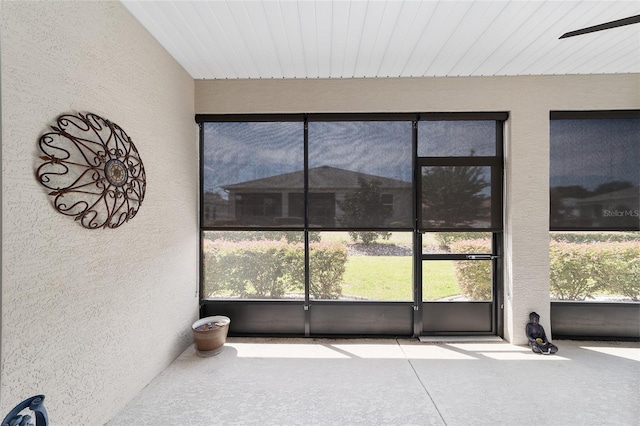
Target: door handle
x=481 y=257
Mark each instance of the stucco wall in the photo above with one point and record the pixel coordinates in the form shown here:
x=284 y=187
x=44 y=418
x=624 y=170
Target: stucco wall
x=527 y=99
x=89 y=317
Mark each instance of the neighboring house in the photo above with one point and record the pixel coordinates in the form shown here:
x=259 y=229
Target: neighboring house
x=610 y=209
x=215 y=208
x=279 y=200
x=565 y=212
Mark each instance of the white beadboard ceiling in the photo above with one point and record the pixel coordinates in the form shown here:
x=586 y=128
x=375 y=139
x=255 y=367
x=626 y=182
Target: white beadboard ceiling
x=393 y=38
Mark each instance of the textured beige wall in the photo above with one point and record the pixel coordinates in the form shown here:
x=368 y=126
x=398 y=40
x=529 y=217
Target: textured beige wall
x=527 y=99
x=89 y=317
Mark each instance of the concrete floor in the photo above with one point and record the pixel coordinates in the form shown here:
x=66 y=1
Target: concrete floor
x=264 y=381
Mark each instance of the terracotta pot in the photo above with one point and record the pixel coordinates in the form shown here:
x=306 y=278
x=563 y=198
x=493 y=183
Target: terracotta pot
x=210 y=333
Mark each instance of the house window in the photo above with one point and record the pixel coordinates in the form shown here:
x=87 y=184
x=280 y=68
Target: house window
x=386 y=201
x=209 y=212
x=258 y=208
x=322 y=208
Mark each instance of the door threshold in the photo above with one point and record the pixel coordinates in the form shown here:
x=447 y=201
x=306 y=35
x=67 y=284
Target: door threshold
x=460 y=339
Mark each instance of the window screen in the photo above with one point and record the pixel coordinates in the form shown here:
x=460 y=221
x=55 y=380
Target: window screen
x=456 y=197
x=595 y=174
x=460 y=175
x=253 y=174
x=457 y=138
x=360 y=174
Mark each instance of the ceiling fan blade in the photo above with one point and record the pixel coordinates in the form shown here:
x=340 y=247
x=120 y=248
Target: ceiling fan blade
x=613 y=24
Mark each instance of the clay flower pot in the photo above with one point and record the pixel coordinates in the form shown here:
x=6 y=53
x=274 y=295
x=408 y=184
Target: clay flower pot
x=210 y=333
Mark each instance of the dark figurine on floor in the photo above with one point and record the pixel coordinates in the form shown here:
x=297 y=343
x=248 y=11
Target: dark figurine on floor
x=537 y=337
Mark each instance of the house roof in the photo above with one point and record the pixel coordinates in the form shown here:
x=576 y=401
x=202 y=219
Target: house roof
x=632 y=193
x=323 y=177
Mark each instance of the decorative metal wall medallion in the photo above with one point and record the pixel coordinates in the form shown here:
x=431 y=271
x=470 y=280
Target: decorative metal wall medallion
x=93 y=170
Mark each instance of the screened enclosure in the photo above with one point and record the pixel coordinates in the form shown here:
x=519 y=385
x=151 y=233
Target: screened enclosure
x=316 y=224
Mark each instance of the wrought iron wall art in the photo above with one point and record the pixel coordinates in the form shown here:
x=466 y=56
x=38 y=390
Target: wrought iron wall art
x=93 y=170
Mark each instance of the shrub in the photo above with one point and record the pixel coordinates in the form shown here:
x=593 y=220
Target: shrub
x=369 y=237
x=474 y=276
x=327 y=263
x=250 y=268
x=620 y=269
x=211 y=270
x=445 y=239
x=594 y=237
x=579 y=271
x=268 y=268
x=574 y=270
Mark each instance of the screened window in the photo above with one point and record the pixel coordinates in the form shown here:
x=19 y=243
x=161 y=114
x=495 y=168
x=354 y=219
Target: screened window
x=460 y=186
x=323 y=206
x=360 y=174
x=594 y=247
x=594 y=172
x=253 y=265
x=457 y=138
x=456 y=197
x=250 y=172
x=340 y=268
x=457 y=281
x=600 y=266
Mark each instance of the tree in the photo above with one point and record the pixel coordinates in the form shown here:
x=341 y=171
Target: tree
x=454 y=195
x=363 y=208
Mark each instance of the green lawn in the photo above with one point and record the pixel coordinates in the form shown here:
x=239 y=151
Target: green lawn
x=378 y=277
x=345 y=238
x=390 y=278
x=438 y=280
x=428 y=239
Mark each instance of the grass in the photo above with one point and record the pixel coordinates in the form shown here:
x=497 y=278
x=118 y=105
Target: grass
x=438 y=280
x=379 y=277
x=390 y=278
x=345 y=238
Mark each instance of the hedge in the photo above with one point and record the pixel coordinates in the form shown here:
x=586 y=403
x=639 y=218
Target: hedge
x=270 y=269
x=580 y=271
x=327 y=263
x=446 y=239
x=473 y=276
x=267 y=268
x=577 y=271
x=594 y=237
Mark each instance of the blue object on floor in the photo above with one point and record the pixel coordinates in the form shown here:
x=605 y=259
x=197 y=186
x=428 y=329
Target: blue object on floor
x=35 y=404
